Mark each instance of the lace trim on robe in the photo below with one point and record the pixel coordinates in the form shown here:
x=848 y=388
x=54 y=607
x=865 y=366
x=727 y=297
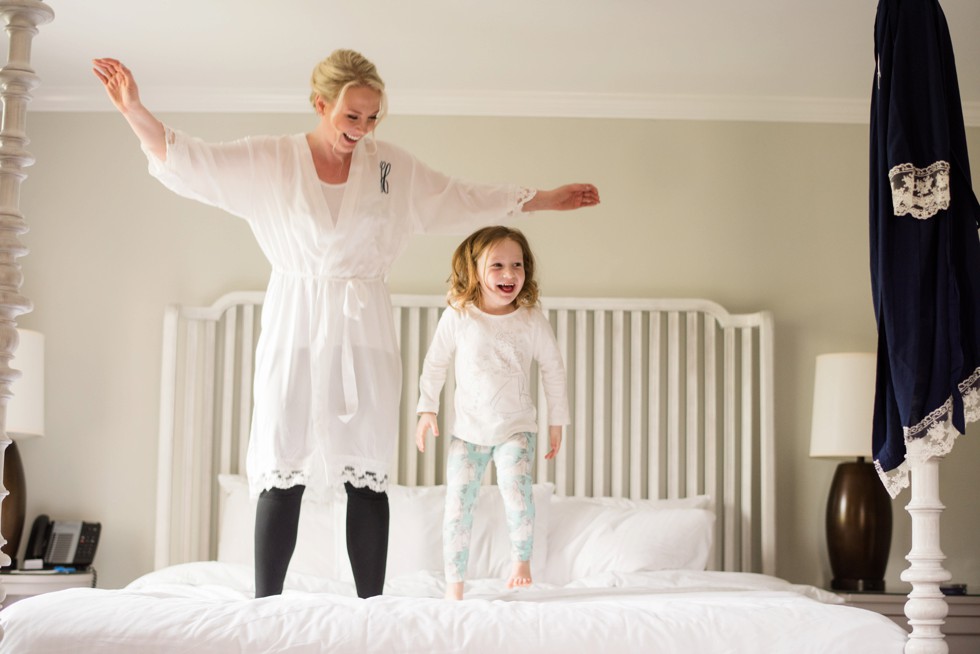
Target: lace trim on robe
x=524 y=195
x=358 y=476
x=362 y=478
x=920 y=192
x=936 y=432
x=283 y=479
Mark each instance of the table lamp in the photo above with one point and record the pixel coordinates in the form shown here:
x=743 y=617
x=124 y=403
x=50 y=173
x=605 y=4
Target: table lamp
x=859 y=510
x=25 y=419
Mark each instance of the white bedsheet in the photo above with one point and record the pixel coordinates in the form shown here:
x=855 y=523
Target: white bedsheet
x=206 y=607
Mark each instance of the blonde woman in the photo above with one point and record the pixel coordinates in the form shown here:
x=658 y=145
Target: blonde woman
x=331 y=209
x=491 y=333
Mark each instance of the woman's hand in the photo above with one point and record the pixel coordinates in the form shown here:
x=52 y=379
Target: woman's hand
x=564 y=198
x=427 y=422
x=125 y=96
x=554 y=435
x=118 y=82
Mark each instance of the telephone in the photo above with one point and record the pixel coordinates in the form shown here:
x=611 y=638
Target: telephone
x=56 y=543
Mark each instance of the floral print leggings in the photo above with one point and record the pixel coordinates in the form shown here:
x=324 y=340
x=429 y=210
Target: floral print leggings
x=464 y=472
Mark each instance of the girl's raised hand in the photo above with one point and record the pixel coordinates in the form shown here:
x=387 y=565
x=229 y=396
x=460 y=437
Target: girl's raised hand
x=427 y=422
x=118 y=82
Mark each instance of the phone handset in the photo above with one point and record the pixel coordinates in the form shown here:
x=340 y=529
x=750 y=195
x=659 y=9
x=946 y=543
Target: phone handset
x=38 y=540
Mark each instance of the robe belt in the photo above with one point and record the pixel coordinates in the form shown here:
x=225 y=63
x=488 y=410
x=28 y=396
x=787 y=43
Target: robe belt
x=353 y=303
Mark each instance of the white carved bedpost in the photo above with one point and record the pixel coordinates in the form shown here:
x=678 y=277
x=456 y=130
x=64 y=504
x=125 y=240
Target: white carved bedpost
x=926 y=607
x=17 y=80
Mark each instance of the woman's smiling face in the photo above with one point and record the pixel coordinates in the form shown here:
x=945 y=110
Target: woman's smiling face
x=353 y=117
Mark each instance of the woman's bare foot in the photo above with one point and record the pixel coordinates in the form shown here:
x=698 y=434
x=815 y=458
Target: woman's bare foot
x=454 y=590
x=521 y=575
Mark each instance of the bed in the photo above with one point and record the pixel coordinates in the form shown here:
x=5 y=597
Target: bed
x=655 y=528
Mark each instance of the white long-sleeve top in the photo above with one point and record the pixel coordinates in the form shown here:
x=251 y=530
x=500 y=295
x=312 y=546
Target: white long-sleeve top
x=492 y=357
x=327 y=369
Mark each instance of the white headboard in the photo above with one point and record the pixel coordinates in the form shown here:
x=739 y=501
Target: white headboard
x=669 y=397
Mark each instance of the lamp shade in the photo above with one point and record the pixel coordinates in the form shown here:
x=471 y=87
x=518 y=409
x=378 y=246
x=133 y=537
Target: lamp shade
x=25 y=410
x=843 y=405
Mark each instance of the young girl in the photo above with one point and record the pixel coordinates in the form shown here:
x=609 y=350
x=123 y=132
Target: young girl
x=495 y=330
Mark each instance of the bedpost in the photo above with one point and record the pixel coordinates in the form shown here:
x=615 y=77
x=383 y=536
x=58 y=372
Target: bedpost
x=17 y=80
x=926 y=607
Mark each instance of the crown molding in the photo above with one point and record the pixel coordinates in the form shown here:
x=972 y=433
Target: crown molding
x=485 y=103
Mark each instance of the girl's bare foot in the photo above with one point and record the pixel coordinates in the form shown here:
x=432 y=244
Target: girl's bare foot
x=521 y=575
x=454 y=590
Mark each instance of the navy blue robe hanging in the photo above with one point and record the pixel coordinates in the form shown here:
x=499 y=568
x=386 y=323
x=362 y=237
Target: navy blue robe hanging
x=925 y=251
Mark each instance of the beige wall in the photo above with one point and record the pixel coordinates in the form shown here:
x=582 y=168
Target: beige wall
x=752 y=215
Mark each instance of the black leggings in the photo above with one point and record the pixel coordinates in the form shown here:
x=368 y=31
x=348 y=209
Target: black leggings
x=276 y=524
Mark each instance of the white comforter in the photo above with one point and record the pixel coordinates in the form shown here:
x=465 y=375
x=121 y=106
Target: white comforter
x=205 y=607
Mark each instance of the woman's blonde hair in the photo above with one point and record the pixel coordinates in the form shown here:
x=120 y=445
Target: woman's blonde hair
x=464 y=280
x=341 y=70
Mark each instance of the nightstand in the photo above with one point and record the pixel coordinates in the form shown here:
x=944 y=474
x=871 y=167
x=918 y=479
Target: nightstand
x=23 y=584
x=962 y=628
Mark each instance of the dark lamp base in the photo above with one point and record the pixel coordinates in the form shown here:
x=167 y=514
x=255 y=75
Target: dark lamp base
x=15 y=504
x=859 y=528
x=858 y=585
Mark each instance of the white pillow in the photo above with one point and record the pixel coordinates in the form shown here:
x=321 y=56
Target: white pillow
x=236 y=526
x=692 y=502
x=415 y=532
x=319 y=545
x=415 y=539
x=415 y=536
x=588 y=536
x=490 y=549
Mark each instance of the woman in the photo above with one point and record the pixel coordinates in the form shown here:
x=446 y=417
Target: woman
x=331 y=210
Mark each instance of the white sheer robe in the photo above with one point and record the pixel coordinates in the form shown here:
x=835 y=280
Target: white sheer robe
x=327 y=377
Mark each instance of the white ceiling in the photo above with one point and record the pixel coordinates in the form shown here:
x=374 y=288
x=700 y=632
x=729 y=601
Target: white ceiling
x=725 y=59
